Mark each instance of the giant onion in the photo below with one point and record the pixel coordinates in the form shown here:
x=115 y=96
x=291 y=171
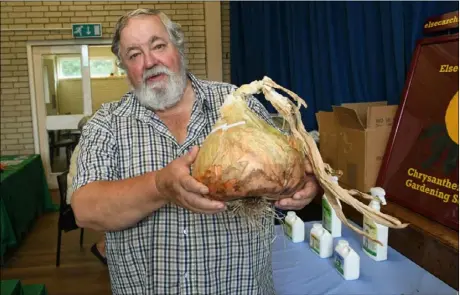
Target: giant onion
x=245 y=156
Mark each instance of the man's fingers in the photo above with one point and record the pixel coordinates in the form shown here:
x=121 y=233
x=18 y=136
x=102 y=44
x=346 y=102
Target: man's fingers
x=308 y=191
x=192 y=185
x=291 y=204
x=301 y=198
x=198 y=203
x=308 y=167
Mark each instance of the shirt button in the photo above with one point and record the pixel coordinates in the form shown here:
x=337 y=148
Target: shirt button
x=185 y=231
x=186 y=275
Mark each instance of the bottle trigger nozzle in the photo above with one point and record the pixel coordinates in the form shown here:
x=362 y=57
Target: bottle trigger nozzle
x=379 y=194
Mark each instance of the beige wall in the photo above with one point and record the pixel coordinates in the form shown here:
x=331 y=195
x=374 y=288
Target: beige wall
x=70 y=96
x=16 y=119
x=98 y=51
x=70 y=99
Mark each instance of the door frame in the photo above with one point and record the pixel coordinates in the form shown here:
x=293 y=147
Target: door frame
x=37 y=116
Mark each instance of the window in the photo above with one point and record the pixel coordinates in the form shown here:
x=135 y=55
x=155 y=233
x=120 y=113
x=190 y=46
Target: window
x=70 y=67
x=101 y=67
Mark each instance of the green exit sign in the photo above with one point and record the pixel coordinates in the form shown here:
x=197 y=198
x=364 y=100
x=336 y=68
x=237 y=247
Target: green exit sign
x=86 y=30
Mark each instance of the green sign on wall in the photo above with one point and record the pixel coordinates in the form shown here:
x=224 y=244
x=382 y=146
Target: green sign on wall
x=86 y=30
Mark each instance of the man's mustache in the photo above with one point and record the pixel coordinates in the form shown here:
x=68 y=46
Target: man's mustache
x=156 y=71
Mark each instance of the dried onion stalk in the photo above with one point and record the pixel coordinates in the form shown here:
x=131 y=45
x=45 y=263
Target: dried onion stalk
x=334 y=192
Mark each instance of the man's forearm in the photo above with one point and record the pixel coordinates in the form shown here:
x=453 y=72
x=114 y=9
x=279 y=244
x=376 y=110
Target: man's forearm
x=115 y=205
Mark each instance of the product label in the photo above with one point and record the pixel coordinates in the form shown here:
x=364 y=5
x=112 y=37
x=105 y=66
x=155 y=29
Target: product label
x=371 y=229
x=288 y=230
x=327 y=216
x=338 y=262
x=314 y=243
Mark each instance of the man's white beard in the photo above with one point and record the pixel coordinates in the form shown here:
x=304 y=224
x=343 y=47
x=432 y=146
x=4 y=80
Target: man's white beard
x=161 y=95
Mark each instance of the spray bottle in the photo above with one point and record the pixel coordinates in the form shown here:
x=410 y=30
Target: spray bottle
x=376 y=230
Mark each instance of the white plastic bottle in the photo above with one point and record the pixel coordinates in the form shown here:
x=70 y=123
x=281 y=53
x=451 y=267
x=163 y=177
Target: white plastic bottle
x=346 y=261
x=376 y=230
x=294 y=227
x=321 y=241
x=330 y=220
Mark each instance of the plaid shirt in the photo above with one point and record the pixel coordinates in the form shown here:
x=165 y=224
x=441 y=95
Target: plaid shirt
x=172 y=251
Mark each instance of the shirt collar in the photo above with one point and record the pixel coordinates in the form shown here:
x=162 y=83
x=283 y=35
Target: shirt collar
x=129 y=105
x=200 y=90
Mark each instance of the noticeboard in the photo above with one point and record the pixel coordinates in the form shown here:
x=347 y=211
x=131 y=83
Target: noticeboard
x=420 y=167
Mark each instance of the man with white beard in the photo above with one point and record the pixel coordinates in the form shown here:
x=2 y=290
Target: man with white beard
x=162 y=95
x=133 y=178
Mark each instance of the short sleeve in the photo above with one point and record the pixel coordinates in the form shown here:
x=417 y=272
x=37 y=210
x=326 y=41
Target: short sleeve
x=72 y=173
x=98 y=155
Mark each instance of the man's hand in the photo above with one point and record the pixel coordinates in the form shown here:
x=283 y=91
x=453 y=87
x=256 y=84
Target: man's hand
x=178 y=186
x=303 y=197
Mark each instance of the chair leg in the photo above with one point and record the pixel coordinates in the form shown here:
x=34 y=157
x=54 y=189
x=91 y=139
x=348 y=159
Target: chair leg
x=68 y=154
x=81 y=237
x=51 y=154
x=58 y=252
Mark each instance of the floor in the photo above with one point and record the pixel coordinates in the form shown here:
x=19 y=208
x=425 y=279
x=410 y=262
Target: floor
x=35 y=261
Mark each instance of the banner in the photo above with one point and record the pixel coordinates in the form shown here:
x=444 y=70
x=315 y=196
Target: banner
x=420 y=166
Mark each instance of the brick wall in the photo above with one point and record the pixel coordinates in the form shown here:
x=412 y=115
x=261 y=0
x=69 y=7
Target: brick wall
x=16 y=118
x=225 y=20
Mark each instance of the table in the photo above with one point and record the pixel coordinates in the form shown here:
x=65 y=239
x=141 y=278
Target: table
x=297 y=270
x=24 y=195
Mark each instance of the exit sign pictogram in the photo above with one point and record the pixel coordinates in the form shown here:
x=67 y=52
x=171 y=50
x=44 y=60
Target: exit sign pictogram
x=86 y=30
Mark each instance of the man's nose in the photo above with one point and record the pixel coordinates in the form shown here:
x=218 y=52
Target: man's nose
x=150 y=60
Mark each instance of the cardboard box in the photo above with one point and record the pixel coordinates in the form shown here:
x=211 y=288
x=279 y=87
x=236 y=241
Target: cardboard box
x=353 y=139
x=328 y=129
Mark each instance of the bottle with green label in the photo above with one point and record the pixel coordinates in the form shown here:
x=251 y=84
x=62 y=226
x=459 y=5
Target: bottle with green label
x=375 y=230
x=346 y=261
x=321 y=241
x=330 y=220
x=294 y=227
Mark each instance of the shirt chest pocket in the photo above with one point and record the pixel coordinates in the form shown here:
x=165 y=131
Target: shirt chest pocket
x=143 y=151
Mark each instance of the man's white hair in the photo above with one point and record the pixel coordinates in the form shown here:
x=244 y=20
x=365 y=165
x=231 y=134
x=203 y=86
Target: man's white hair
x=176 y=35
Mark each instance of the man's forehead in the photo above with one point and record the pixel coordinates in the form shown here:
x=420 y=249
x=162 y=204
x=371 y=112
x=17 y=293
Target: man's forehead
x=141 y=28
